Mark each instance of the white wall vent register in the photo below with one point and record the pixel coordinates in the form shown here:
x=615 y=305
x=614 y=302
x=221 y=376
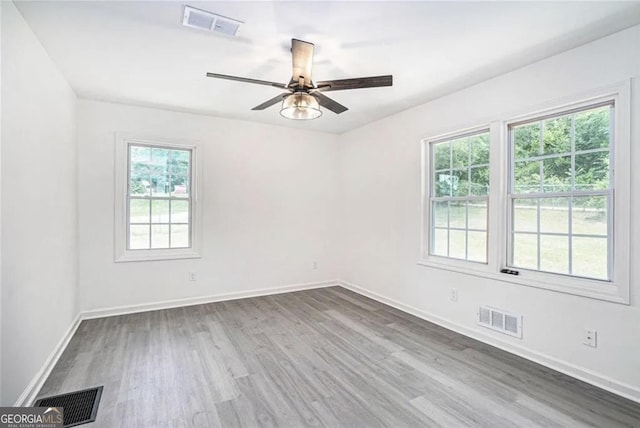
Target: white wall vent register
x=499 y=320
x=208 y=21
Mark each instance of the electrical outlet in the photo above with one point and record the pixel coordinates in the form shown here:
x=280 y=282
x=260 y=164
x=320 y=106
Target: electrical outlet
x=192 y=276
x=590 y=338
x=314 y=265
x=453 y=294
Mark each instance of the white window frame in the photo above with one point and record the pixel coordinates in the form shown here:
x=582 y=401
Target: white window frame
x=122 y=253
x=608 y=193
x=616 y=290
x=428 y=189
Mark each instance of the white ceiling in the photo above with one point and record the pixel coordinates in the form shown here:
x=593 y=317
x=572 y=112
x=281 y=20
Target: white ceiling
x=139 y=53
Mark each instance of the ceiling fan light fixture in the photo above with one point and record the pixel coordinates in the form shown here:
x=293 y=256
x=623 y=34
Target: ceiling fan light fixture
x=300 y=106
x=303 y=97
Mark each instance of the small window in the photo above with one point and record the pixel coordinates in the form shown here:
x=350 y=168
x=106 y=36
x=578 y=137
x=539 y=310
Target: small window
x=158 y=205
x=458 y=197
x=561 y=193
x=159 y=200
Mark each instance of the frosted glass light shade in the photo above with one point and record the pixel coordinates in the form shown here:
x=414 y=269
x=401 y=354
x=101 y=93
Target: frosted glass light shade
x=300 y=106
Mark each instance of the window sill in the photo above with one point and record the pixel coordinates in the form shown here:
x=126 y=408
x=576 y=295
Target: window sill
x=154 y=255
x=594 y=289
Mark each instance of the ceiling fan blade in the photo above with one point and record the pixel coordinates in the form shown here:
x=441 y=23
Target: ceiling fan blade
x=357 y=83
x=247 y=80
x=302 y=57
x=272 y=101
x=329 y=104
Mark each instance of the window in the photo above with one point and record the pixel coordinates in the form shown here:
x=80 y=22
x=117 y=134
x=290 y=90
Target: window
x=458 y=196
x=557 y=214
x=156 y=216
x=561 y=191
x=159 y=198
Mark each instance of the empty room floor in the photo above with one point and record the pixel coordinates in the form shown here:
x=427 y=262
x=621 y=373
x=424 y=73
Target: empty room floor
x=324 y=357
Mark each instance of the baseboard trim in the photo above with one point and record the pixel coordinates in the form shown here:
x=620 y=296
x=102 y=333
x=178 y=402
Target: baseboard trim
x=30 y=392
x=601 y=381
x=190 y=301
x=619 y=388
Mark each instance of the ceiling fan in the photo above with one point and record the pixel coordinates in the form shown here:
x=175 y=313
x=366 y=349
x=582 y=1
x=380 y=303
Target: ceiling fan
x=304 y=96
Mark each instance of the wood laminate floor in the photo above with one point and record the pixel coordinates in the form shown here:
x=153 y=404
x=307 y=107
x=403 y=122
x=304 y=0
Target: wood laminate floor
x=325 y=357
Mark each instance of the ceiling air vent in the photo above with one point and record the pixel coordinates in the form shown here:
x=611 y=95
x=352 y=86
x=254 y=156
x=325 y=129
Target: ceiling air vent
x=499 y=320
x=203 y=20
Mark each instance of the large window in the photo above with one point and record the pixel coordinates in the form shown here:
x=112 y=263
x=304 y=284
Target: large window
x=156 y=212
x=561 y=192
x=540 y=199
x=459 y=189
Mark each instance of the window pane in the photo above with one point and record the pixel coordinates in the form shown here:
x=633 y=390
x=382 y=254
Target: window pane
x=179 y=236
x=557 y=174
x=442 y=156
x=159 y=160
x=140 y=185
x=589 y=215
x=527 y=140
x=179 y=187
x=457 y=244
x=592 y=171
x=138 y=211
x=554 y=215
x=478 y=246
x=160 y=212
x=460 y=182
x=138 y=237
x=158 y=170
x=590 y=257
x=525 y=251
x=592 y=128
x=479 y=185
x=479 y=145
x=440 y=214
x=557 y=135
x=527 y=177
x=460 y=152
x=139 y=154
x=139 y=173
x=554 y=253
x=444 y=183
x=160 y=236
x=440 y=242
x=477 y=215
x=525 y=215
x=458 y=214
x=159 y=185
x=179 y=162
x=179 y=211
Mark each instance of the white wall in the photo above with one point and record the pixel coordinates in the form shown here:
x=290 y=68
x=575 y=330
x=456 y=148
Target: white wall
x=380 y=182
x=39 y=221
x=269 y=198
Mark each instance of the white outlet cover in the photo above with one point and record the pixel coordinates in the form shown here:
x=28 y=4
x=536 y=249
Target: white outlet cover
x=591 y=338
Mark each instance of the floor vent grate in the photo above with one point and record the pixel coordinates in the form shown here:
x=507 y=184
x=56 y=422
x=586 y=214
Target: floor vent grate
x=80 y=407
